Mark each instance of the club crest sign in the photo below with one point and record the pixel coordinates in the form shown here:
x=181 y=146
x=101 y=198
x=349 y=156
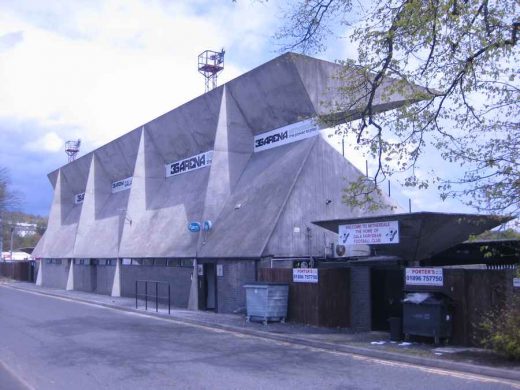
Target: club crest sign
x=385 y=232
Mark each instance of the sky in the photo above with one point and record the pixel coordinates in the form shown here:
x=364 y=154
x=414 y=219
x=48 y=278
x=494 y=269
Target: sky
x=97 y=69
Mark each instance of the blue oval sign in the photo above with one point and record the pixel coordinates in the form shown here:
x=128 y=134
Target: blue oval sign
x=194 y=227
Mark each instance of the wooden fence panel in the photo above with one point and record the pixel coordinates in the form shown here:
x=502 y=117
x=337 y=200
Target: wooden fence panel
x=19 y=270
x=326 y=303
x=474 y=293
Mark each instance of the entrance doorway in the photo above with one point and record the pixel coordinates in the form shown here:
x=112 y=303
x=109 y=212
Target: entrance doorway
x=387 y=293
x=207 y=286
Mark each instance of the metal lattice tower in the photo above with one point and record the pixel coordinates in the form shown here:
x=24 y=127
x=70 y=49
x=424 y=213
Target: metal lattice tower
x=72 y=149
x=211 y=63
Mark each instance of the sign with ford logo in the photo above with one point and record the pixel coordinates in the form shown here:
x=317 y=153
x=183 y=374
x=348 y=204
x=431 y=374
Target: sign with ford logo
x=194 y=227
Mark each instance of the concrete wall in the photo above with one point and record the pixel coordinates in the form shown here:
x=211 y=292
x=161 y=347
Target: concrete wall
x=84 y=278
x=94 y=278
x=178 y=277
x=231 y=295
x=317 y=195
x=55 y=275
x=104 y=278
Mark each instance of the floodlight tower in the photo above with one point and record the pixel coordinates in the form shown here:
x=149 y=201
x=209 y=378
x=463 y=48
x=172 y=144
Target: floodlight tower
x=72 y=149
x=211 y=63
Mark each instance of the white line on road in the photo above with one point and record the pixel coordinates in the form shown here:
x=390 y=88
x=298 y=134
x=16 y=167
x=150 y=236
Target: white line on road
x=437 y=371
x=6 y=368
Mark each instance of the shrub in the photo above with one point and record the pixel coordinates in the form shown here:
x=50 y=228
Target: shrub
x=501 y=329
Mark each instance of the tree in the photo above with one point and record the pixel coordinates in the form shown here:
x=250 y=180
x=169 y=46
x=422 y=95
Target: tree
x=8 y=200
x=464 y=53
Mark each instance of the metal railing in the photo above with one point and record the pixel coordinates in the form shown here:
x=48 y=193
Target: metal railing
x=153 y=294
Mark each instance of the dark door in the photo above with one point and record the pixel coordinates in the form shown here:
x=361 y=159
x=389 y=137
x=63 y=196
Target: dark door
x=387 y=293
x=207 y=286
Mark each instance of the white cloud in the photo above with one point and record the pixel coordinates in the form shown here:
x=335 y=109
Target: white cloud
x=103 y=70
x=49 y=142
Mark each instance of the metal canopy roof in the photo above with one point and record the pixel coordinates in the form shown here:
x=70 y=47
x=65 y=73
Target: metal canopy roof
x=424 y=234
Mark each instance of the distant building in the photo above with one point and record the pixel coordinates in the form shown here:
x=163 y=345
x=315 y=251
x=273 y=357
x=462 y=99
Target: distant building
x=16 y=255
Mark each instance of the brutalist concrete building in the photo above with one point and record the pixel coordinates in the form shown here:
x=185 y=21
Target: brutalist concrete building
x=245 y=162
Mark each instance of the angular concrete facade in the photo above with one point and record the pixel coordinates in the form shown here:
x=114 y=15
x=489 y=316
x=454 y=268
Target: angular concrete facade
x=138 y=201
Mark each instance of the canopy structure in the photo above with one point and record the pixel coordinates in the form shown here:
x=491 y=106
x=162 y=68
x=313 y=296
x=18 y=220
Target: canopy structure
x=424 y=234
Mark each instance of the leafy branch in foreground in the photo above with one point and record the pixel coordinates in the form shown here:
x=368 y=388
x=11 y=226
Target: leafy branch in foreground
x=464 y=56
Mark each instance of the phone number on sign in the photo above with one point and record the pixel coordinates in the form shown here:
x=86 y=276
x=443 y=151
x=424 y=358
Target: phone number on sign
x=424 y=278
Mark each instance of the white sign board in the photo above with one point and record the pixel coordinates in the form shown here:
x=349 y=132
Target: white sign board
x=189 y=164
x=369 y=233
x=122 y=185
x=305 y=275
x=79 y=198
x=286 y=135
x=220 y=270
x=424 y=277
x=516 y=282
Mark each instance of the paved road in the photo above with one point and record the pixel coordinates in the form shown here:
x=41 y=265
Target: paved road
x=50 y=343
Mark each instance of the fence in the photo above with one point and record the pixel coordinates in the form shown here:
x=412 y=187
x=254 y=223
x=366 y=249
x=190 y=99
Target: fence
x=474 y=293
x=151 y=292
x=326 y=303
x=19 y=270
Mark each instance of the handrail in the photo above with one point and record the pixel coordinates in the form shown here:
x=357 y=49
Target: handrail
x=156 y=295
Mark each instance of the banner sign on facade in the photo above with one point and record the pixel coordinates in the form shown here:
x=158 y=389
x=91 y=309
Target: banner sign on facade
x=516 y=282
x=122 y=185
x=286 y=135
x=424 y=277
x=305 y=275
x=369 y=233
x=189 y=164
x=79 y=198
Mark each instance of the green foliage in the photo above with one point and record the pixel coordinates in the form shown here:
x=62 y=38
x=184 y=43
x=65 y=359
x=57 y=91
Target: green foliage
x=501 y=329
x=465 y=55
x=508 y=234
x=11 y=219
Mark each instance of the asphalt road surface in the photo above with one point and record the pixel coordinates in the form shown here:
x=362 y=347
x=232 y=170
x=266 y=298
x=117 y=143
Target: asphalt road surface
x=54 y=343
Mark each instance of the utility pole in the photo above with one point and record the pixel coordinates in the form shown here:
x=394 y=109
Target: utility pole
x=11 y=245
x=1 y=235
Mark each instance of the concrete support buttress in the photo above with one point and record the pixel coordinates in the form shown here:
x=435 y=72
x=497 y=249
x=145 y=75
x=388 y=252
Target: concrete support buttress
x=70 y=279
x=116 y=284
x=39 y=277
x=193 y=300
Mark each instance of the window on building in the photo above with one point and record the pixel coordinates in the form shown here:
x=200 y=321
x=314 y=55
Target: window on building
x=147 y=261
x=188 y=263
x=160 y=262
x=174 y=263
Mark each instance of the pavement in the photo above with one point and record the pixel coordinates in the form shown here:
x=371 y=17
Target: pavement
x=371 y=344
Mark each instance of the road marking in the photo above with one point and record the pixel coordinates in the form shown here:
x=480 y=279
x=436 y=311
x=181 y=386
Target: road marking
x=437 y=371
x=15 y=377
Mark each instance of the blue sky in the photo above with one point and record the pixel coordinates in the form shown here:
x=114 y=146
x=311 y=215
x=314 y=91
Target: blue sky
x=97 y=69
